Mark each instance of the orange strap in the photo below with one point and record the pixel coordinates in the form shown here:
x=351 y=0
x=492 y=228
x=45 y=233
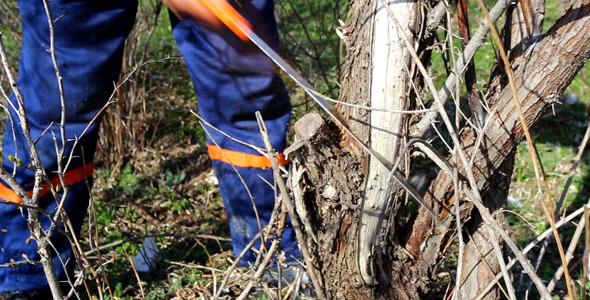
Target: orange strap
x=73 y=176
x=240 y=159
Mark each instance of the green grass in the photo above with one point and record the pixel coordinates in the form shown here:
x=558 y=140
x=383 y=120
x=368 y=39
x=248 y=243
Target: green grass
x=557 y=140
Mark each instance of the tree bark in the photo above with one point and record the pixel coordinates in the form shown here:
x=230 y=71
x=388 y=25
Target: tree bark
x=329 y=210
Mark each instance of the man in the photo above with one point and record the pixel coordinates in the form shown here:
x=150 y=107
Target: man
x=232 y=81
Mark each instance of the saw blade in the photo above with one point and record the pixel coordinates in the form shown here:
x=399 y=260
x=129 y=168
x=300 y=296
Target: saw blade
x=242 y=28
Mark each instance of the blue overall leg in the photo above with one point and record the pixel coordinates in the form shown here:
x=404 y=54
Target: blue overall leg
x=89 y=38
x=233 y=80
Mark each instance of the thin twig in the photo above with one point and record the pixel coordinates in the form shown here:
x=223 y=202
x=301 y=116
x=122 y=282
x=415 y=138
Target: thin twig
x=111 y=101
x=92 y=232
x=62 y=97
x=586 y=253
x=570 y=252
x=532 y=245
x=260 y=263
x=60 y=151
x=459 y=275
x=291 y=210
x=37 y=232
x=392 y=111
x=274 y=247
x=23 y=120
x=200 y=267
x=470 y=74
x=526 y=265
x=477 y=40
x=243 y=184
x=260 y=150
x=456 y=182
x=572 y=172
x=234 y=265
x=539 y=260
x=18 y=263
x=503 y=267
x=135 y=273
x=141 y=237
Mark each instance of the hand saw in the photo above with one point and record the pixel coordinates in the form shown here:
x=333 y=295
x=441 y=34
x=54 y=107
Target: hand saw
x=229 y=16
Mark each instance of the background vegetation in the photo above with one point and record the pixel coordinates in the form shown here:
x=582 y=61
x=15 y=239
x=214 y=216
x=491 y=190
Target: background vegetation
x=154 y=176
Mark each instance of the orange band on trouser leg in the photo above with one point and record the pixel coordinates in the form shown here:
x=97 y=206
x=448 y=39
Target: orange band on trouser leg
x=15 y=236
x=246 y=181
x=71 y=177
x=241 y=159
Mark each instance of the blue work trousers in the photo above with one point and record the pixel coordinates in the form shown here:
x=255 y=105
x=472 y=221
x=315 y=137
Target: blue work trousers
x=232 y=80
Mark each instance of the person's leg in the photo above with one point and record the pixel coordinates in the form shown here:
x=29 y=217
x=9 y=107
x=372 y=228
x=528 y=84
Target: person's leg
x=233 y=80
x=89 y=39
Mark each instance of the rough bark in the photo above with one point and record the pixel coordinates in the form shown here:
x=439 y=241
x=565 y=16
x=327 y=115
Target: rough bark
x=333 y=170
x=331 y=208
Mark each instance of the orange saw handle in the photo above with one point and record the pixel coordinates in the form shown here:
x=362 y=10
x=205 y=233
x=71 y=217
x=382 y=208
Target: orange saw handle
x=229 y=16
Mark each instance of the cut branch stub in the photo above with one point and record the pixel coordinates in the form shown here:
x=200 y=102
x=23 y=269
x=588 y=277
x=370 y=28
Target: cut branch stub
x=327 y=193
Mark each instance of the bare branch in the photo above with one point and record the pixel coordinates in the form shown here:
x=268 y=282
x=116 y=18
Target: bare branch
x=476 y=41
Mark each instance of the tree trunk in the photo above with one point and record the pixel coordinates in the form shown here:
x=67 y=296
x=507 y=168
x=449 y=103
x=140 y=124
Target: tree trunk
x=334 y=176
x=390 y=81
